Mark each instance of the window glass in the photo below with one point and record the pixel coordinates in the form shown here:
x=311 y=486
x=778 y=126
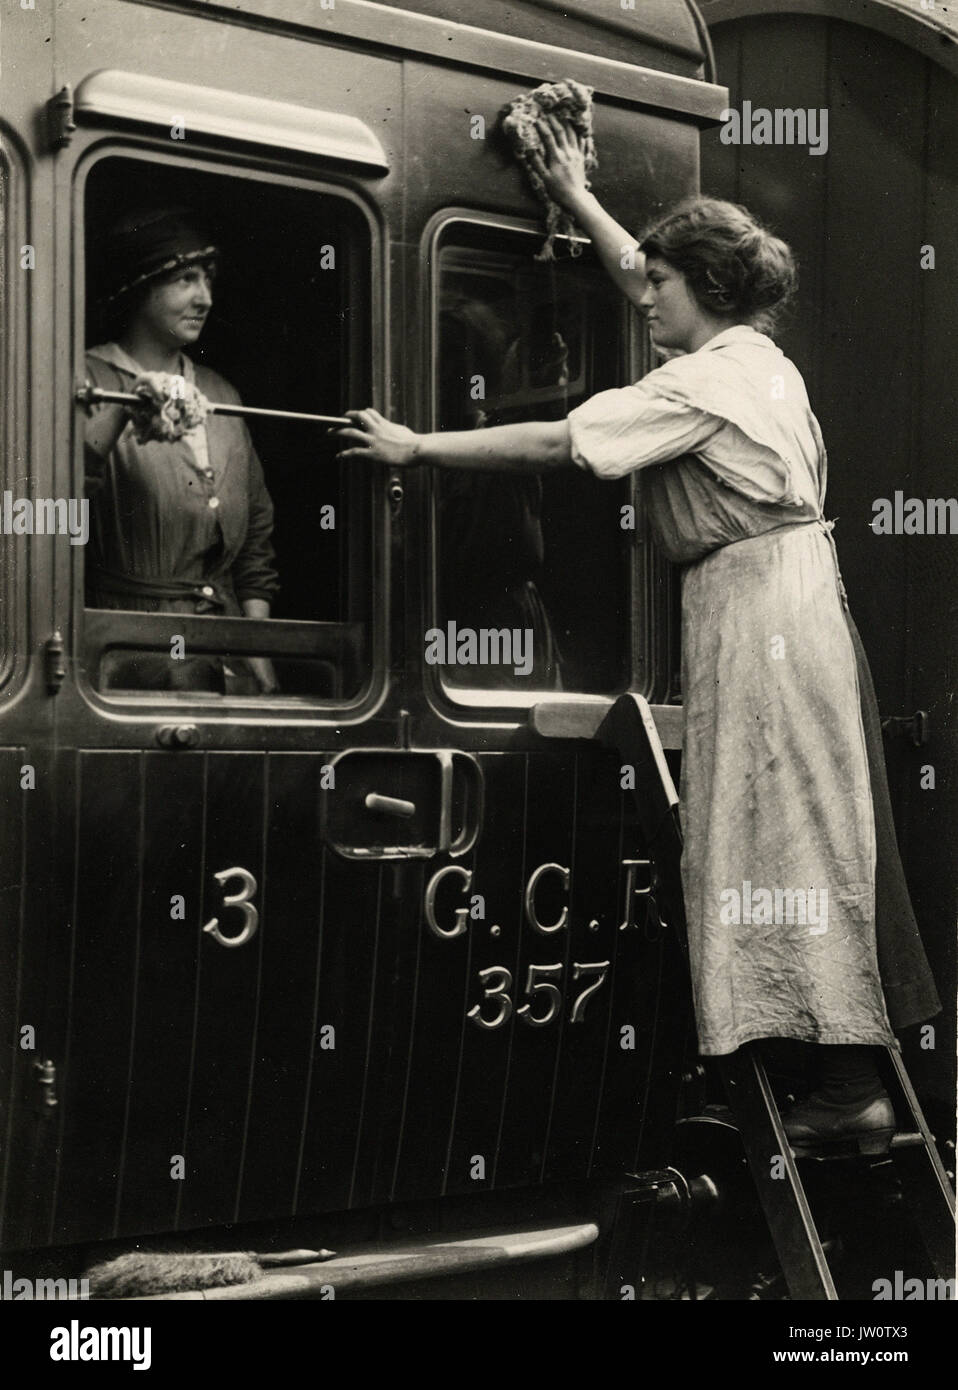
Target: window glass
x=242 y=510
x=542 y=559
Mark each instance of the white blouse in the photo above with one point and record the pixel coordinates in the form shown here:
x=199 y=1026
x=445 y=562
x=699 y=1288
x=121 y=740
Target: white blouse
x=737 y=403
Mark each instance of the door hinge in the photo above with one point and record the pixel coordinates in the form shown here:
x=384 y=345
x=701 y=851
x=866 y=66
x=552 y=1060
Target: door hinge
x=47 y=1081
x=54 y=665
x=60 y=122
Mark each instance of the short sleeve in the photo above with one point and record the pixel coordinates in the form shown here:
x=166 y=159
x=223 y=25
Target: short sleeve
x=616 y=432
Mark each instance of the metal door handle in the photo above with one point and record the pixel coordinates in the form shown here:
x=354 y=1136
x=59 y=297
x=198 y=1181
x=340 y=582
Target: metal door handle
x=390 y=805
x=467 y=835
x=440 y=813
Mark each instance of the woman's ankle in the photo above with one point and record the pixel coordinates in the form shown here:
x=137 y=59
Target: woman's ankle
x=848 y=1074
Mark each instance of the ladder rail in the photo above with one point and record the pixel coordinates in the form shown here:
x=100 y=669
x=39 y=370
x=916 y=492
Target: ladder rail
x=923 y=1178
x=776 y=1177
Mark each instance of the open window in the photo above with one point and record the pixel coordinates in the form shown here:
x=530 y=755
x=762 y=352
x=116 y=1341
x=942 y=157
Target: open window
x=290 y=329
x=545 y=560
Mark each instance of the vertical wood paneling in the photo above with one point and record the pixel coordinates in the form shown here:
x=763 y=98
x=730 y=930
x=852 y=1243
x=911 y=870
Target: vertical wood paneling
x=499 y=874
x=43 y=872
x=786 y=185
x=871 y=285
x=351 y=895
x=166 y=974
x=928 y=823
x=593 y=899
x=529 y=1098
x=44 y=921
x=12 y=815
x=442 y=991
x=632 y=984
x=391 y=1027
x=399 y=949
x=291 y=927
x=95 y=1073
x=376 y=1019
x=227 y=994
x=720 y=163
x=852 y=217
x=214 y=1053
x=59 y=950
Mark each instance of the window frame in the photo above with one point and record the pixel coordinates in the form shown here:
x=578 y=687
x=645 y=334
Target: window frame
x=16 y=434
x=250 y=710
x=649 y=636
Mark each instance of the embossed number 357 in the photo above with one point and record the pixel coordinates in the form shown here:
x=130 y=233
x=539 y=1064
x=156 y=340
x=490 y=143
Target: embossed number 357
x=540 y=980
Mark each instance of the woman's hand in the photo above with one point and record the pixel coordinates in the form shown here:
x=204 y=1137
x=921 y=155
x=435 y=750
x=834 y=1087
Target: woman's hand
x=563 y=168
x=262 y=669
x=378 y=439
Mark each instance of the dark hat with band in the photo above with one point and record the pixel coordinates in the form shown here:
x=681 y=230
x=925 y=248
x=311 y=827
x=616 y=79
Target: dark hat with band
x=149 y=243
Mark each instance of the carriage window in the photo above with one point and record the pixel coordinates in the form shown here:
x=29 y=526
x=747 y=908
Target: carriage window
x=234 y=561
x=536 y=568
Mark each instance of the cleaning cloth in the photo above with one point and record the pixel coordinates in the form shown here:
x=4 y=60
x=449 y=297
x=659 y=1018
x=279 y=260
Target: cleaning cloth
x=571 y=102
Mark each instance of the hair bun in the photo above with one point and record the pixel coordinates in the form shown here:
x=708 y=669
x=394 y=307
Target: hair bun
x=735 y=267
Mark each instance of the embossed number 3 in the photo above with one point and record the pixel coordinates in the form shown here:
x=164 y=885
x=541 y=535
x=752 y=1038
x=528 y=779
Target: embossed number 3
x=240 y=900
x=498 y=990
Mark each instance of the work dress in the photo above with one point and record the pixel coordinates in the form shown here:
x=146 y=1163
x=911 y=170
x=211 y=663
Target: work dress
x=779 y=826
x=180 y=527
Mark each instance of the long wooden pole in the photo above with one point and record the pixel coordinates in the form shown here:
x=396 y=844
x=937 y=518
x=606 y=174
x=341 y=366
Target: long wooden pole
x=93 y=395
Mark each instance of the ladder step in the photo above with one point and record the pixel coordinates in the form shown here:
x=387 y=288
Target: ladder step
x=908 y=1141
x=856 y=1146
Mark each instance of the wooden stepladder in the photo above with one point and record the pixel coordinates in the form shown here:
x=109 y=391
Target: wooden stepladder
x=629 y=727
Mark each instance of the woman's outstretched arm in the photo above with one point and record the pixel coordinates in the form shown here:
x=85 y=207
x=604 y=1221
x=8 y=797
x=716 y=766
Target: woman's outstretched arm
x=563 y=173
x=533 y=447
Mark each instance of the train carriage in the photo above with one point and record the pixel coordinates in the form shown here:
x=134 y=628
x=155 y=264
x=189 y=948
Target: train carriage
x=364 y=945
x=372 y=958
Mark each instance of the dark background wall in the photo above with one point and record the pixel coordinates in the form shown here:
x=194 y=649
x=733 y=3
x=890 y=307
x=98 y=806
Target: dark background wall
x=876 y=338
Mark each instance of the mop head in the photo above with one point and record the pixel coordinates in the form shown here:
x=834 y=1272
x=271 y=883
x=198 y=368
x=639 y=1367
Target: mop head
x=142 y=1273
x=171 y=408
x=570 y=102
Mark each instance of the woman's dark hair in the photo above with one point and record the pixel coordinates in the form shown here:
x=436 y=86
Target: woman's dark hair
x=734 y=266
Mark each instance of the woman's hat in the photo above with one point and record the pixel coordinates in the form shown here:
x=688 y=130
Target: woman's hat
x=152 y=242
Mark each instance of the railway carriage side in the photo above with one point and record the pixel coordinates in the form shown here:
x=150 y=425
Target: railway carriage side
x=378 y=940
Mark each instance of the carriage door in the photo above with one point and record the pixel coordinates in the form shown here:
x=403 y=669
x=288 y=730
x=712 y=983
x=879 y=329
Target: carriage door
x=214 y=961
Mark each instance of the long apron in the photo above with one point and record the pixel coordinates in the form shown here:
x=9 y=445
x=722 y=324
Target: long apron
x=778 y=869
